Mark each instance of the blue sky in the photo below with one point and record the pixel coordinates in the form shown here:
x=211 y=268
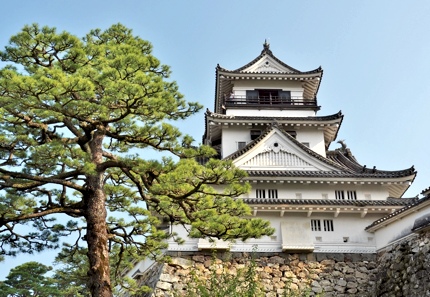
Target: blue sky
x=375 y=56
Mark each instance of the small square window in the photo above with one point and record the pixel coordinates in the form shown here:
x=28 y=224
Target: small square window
x=241 y=145
x=255 y=134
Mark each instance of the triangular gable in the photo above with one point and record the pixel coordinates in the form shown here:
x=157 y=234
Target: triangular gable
x=268 y=64
x=276 y=151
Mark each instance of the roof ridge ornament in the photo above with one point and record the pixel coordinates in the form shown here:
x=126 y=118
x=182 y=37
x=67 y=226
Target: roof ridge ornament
x=266 y=46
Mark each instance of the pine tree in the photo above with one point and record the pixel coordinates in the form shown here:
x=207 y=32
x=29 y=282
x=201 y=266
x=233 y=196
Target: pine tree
x=80 y=120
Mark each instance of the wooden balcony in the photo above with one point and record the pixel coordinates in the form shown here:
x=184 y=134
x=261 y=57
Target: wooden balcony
x=271 y=102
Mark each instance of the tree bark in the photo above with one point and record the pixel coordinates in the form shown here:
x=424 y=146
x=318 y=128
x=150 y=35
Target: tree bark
x=97 y=235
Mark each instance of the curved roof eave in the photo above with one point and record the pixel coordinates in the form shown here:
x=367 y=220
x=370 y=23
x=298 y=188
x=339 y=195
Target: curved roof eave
x=399 y=213
x=336 y=116
x=358 y=203
x=266 y=51
x=342 y=164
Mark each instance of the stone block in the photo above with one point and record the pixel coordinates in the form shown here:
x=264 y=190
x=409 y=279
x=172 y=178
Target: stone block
x=341 y=282
x=169 y=278
x=164 y=286
x=181 y=262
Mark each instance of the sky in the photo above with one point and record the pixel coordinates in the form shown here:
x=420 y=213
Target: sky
x=375 y=57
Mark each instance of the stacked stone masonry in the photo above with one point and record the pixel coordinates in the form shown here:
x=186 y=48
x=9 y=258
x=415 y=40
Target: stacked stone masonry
x=402 y=269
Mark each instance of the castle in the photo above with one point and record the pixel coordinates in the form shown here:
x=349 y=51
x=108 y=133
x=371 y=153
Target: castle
x=319 y=200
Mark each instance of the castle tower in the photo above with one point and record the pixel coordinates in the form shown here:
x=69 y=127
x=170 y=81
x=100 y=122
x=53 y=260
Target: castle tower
x=318 y=200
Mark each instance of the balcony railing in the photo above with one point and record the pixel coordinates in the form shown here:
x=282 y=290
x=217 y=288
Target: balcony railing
x=274 y=101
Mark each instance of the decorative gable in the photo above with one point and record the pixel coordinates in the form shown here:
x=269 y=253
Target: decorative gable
x=281 y=158
x=277 y=151
x=268 y=64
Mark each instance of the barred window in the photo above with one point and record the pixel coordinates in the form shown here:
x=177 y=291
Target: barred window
x=272 y=193
x=339 y=195
x=260 y=193
x=350 y=195
x=328 y=225
x=315 y=225
x=269 y=193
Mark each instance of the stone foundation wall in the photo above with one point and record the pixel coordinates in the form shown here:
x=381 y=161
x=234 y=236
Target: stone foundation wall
x=310 y=274
x=404 y=268
x=400 y=270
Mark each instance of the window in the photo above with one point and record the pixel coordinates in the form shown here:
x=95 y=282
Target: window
x=315 y=225
x=328 y=225
x=255 y=134
x=272 y=193
x=306 y=144
x=263 y=193
x=350 y=195
x=268 y=96
x=241 y=145
x=339 y=195
x=292 y=134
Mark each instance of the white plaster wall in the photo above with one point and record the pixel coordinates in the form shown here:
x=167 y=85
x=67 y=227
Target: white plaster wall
x=349 y=226
x=399 y=228
x=314 y=137
x=231 y=135
x=269 y=112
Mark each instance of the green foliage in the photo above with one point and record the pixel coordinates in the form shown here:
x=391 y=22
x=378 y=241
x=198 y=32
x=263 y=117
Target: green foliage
x=29 y=279
x=82 y=122
x=227 y=281
x=221 y=282
x=71 y=275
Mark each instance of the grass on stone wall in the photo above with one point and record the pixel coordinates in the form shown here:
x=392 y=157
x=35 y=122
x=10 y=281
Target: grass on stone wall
x=244 y=282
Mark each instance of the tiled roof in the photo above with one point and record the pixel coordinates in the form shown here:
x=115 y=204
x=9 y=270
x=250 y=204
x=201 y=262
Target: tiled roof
x=416 y=203
x=345 y=158
x=357 y=203
x=421 y=223
x=312 y=79
x=334 y=174
x=266 y=51
x=335 y=116
x=341 y=159
x=266 y=132
x=426 y=191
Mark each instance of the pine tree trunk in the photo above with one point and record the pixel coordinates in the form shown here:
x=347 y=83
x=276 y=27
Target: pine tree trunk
x=97 y=236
